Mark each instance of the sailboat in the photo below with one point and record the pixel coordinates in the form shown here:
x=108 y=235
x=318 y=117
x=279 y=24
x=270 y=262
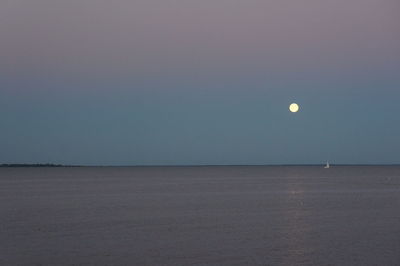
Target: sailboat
x=327 y=165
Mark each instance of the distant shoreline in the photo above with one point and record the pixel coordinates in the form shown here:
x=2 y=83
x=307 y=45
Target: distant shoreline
x=34 y=165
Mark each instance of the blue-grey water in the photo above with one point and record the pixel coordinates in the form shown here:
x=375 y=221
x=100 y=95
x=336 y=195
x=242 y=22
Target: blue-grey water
x=234 y=215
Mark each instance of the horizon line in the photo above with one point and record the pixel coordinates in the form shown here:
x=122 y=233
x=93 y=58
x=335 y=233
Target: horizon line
x=188 y=165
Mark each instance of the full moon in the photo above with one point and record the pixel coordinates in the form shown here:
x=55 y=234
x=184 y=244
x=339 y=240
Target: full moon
x=294 y=108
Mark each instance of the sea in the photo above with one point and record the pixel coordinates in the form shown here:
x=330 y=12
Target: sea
x=204 y=215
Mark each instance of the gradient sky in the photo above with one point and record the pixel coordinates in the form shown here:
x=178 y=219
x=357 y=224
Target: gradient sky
x=141 y=82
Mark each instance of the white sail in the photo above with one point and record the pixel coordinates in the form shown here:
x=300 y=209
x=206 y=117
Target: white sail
x=327 y=165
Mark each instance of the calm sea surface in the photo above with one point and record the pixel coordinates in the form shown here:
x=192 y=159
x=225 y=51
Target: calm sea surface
x=233 y=215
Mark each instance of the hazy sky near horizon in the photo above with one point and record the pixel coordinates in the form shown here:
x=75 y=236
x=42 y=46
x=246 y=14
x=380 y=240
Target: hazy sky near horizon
x=199 y=82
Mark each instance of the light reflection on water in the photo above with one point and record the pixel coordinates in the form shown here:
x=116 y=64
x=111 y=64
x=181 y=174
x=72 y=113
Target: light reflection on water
x=296 y=229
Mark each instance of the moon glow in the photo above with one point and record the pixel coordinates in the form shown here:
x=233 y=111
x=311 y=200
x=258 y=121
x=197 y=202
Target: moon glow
x=294 y=108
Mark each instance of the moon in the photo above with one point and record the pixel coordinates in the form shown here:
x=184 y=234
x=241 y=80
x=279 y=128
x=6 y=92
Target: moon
x=294 y=108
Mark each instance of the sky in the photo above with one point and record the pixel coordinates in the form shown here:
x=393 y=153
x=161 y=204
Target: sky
x=177 y=82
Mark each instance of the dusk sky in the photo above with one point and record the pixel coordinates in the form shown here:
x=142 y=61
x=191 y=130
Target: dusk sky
x=143 y=82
